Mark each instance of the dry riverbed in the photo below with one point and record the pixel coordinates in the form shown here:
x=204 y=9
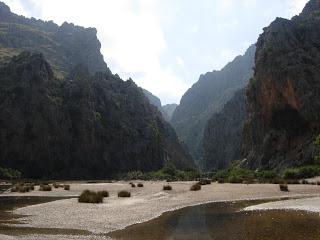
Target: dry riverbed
x=146 y=203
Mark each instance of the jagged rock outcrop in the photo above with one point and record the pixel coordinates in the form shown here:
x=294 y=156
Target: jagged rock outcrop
x=82 y=126
x=169 y=109
x=283 y=97
x=63 y=46
x=208 y=96
x=223 y=134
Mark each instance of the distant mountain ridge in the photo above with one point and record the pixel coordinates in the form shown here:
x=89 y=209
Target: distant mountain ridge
x=169 y=110
x=63 y=46
x=208 y=96
x=166 y=110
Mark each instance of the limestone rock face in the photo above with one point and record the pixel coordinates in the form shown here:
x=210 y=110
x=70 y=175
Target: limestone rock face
x=83 y=126
x=223 y=134
x=283 y=97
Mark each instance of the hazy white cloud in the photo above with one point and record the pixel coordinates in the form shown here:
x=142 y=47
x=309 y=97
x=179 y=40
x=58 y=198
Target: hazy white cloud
x=296 y=6
x=180 y=61
x=131 y=35
x=17 y=7
x=164 y=45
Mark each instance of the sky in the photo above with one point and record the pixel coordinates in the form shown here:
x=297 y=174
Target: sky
x=165 y=45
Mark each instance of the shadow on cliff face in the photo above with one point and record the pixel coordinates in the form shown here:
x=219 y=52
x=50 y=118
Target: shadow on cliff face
x=288 y=119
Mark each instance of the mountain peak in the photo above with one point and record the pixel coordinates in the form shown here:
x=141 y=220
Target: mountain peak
x=4 y=7
x=311 y=8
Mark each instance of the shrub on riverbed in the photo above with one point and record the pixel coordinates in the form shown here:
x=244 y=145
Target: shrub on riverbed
x=167 y=188
x=132 y=185
x=45 y=188
x=104 y=193
x=66 y=187
x=88 y=196
x=284 y=187
x=205 y=181
x=196 y=187
x=140 y=185
x=31 y=186
x=57 y=185
x=22 y=187
x=124 y=194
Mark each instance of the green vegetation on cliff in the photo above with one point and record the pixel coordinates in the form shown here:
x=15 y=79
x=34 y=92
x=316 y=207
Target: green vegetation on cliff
x=83 y=126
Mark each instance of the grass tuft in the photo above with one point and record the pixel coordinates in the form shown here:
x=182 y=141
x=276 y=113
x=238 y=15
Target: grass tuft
x=283 y=187
x=88 y=196
x=45 y=188
x=124 y=194
x=167 y=188
x=104 y=193
x=196 y=187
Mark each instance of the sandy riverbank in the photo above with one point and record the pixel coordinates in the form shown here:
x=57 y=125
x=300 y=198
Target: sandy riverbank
x=305 y=204
x=146 y=203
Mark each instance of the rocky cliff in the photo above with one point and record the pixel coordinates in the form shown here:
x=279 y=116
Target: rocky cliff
x=283 y=98
x=223 y=133
x=83 y=126
x=63 y=114
x=169 y=109
x=208 y=96
x=63 y=46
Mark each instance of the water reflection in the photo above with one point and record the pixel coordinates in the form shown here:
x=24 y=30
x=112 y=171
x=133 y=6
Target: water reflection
x=223 y=221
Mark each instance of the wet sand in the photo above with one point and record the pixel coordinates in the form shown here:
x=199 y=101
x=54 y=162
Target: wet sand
x=306 y=204
x=146 y=203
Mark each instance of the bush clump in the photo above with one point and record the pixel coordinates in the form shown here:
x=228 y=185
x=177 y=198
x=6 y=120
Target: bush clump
x=302 y=172
x=57 y=185
x=9 y=174
x=88 y=196
x=235 y=174
x=66 y=187
x=167 y=188
x=140 y=185
x=168 y=172
x=132 y=185
x=45 y=188
x=283 y=187
x=124 y=194
x=104 y=193
x=196 y=187
x=205 y=181
x=21 y=188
